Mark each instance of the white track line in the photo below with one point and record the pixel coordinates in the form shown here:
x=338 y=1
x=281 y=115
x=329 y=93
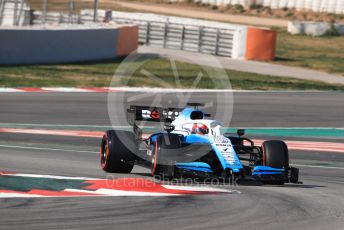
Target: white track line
x=64 y=89
x=80 y=151
x=49 y=149
x=50 y=176
x=113 y=192
x=199 y=189
x=317 y=166
x=18 y=195
x=68 y=125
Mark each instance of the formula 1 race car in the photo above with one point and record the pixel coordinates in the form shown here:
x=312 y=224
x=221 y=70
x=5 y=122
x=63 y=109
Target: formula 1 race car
x=192 y=146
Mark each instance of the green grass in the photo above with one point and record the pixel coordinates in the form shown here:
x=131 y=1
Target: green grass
x=100 y=74
x=319 y=53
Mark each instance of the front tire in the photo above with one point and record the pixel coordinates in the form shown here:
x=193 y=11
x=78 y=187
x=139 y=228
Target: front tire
x=117 y=151
x=275 y=154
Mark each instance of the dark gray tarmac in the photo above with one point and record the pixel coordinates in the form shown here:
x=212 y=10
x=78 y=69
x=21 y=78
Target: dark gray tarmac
x=260 y=109
x=317 y=204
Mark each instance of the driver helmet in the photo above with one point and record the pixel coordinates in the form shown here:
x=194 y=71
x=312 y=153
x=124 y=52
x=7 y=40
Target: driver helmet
x=200 y=129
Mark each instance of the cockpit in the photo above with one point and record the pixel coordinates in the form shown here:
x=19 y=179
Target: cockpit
x=203 y=127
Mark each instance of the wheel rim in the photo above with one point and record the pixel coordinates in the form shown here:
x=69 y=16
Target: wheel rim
x=104 y=153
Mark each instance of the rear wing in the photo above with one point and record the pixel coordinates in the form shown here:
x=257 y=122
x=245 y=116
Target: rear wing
x=154 y=114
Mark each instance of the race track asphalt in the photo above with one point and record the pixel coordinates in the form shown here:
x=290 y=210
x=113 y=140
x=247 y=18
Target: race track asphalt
x=254 y=109
x=316 y=204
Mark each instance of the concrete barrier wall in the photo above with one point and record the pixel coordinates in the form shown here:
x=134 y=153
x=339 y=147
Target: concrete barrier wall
x=61 y=45
x=183 y=33
x=313 y=28
x=243 y=42
x=331 y=6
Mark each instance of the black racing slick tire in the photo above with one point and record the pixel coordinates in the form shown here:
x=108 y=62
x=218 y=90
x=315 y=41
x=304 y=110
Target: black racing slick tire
x=275 y=154
x=117 y=151
x=165 y=147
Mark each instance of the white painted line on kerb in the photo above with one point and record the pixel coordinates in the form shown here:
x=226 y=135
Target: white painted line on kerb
x=9 y=90
x=198 y=189
x=64 y=89
x=17 y=195
x=113 y=192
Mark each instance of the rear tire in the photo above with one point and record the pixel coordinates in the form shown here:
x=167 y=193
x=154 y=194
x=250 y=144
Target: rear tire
x=275 y=154
x=117 y=151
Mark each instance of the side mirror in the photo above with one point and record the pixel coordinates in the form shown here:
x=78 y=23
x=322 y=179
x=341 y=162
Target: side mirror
x=241 y=132
x=168 y=128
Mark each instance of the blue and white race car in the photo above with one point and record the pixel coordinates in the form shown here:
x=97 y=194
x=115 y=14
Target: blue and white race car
x=192 y=146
